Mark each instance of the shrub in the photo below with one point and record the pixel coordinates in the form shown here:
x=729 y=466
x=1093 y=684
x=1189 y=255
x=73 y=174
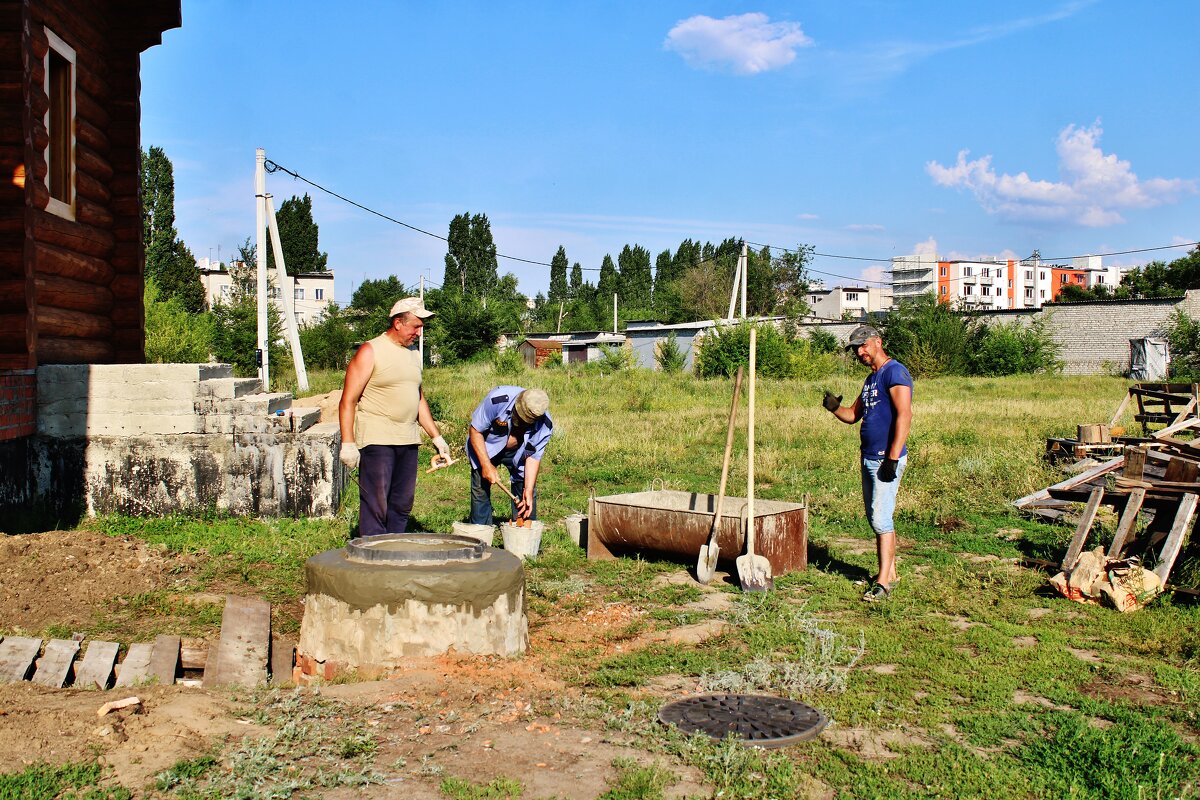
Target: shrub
x=1183 y=337
x=1012 y=349
x=508 y=362
x=614 y=358
x=327 y=342
x=173 y=334
x=928 y=337
x=822 y=341
x=723 y=350
x=669 y=356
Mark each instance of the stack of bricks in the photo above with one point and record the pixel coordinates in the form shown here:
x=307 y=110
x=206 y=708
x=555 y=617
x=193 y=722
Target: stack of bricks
x=18 y=403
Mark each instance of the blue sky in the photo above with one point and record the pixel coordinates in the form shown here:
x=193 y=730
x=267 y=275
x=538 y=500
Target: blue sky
x=864 y=128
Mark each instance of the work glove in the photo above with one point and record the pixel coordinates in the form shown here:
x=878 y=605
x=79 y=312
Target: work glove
x=443 y=449
x=887 y=470
x=349 y=455
x=832 y=402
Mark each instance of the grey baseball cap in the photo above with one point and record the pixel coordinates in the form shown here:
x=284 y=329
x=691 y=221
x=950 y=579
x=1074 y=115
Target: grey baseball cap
x=860 y=335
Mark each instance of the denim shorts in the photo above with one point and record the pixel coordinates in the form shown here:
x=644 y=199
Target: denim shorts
x=879 y=497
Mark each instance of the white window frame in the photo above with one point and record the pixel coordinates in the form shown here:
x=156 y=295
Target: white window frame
x=318 y=294
x=298 y=293
x=67 y=53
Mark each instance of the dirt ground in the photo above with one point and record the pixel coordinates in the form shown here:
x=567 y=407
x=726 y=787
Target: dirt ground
x=474 y=718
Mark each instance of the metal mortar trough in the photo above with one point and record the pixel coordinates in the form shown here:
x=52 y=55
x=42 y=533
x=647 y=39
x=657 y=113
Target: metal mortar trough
x=678 y=523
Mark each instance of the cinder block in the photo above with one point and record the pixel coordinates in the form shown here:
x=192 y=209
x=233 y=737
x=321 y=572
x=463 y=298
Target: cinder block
x=229 y=388
x=264 y=403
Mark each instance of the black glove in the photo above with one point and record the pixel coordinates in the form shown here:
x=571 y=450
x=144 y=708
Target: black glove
x=832 y=402
x=887 y=470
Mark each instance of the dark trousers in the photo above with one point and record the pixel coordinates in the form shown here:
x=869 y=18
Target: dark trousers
x=481 y=492
x=387 y=482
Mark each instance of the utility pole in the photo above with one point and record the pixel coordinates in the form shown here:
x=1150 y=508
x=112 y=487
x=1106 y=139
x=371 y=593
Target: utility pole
x=263 y=355
x=614 y=312
x=558 y=328
x=421 y=346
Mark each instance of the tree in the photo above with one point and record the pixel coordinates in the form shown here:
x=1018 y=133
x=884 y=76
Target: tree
x=298 y=236
x=168 y=260
x=471 y=267
x=576 y=277
x=558 y=275
x=635 y=279
x=606 y=287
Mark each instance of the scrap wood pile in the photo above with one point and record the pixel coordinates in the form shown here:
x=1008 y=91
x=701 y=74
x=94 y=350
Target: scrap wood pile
x=1153 y=486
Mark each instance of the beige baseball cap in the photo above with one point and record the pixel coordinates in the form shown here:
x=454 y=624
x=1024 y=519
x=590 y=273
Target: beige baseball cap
x=531 y=405
x=412 y=305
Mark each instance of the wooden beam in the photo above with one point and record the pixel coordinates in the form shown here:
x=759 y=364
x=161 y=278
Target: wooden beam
x=135 y=668
x=17 y=654
x=241 y=657
x=1069 y=483
x=55 y=664
x=96 y=669
x=1085 y=527
x=1120 y=410
x=1179 y=531
x=164 y=659
x=1127 y=522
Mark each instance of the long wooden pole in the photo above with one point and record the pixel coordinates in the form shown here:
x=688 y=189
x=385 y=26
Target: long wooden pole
x=260 y=240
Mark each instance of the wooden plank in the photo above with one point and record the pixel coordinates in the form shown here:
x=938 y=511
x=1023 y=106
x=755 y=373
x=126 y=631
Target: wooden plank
x=1135 y=463
x=55 y=664
x=1120 y=410
x=135 y=669
x=1176 y=428
x=1179 y=531
x=96 y=669
x=283 y=658
x=1081 y=532
x=16 y=657
x=242 y=651
x=1069 y=483
x=1180 y=470
x=164 y=659
x=1128 y=520
x=1185 y=411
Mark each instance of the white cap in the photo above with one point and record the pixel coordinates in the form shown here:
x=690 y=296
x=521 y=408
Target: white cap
x=413 y=305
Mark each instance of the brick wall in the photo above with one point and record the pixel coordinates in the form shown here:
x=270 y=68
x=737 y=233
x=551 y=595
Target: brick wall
x=18 y=403
x=1094 y=336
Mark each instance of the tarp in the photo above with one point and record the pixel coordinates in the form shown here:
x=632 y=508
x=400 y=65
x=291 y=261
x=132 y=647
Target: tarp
x=1148 y=359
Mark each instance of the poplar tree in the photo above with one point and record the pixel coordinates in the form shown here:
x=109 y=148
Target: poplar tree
x=558 y=275
x=471 y=267
x=169 y=262
x=298 y=236
x=636 y=281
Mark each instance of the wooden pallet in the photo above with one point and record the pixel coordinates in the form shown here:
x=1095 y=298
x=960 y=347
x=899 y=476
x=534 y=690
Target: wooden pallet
x=246 y=655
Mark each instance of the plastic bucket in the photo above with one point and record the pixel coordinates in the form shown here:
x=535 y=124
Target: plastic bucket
x=523 y=542
x=576 y=528
x=482 y=533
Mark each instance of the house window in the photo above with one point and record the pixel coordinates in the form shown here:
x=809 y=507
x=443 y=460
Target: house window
x=225 y=287
x=1099 y=279
x=967 y=272
x=1029 y=294
x=852 y=297
x=298 y=293
x=273 y=293
x=968 y=289
x=1028 y=274
x=60 y=126
x=1042 y=292
x=1062 y=278
x=987 y=291
x=319 y=294
x=943 y=272
x=1043 y=275
x=943 y=290
x=1010 y=284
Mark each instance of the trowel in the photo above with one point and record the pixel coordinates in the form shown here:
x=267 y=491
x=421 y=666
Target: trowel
x=706 y=567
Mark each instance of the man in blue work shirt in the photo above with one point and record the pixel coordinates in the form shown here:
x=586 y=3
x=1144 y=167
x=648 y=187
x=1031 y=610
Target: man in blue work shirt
x=885 y=409
x=511 y=427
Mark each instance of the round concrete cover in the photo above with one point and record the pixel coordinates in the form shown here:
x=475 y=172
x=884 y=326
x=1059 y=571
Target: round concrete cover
x=410 y=547
x=757 y=719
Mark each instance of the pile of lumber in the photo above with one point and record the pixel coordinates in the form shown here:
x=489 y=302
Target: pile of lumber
x=245 y=655
x=1154 y=405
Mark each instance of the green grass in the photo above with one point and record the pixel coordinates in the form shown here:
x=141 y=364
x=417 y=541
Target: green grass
x=972 y=679
x=65 y=781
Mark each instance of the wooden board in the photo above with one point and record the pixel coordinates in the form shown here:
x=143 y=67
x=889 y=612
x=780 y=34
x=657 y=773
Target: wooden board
x=1179 y=530
x=1069 y=483
x=164 y=659
x=96 y=669
x=1128 y=520
x=55 y=664
x=241 y=657
x=1081 y=532
x=16 y=657
x=135 y=668
x=283 y=657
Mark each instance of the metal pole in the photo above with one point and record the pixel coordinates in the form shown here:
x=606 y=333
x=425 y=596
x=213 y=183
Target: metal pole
x=260 y=238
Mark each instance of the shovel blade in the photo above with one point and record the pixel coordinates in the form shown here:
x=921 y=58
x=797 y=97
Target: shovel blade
x=706 y=567
x=754 y=573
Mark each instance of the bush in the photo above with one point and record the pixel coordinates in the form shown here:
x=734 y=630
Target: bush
x=1183 y=337
x=822 y=341
x=173 y=334
x=928 y=337
x=1013 y=349
x=669 y=356
x=722 y=350
x=327 y=342
x=614 y=359
x=508 y=362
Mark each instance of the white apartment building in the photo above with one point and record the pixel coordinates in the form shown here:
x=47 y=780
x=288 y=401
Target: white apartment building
x=848 y=302
x=913 y=276
x=311 y=292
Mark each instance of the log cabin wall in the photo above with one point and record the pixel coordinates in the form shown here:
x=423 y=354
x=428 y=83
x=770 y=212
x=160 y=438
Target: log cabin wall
x=71 y=288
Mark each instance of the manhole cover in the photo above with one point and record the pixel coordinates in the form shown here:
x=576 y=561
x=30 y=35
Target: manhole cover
x=408 y=547
x=756 y=719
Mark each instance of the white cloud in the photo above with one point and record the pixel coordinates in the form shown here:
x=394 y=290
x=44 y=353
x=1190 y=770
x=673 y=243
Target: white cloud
x=1094 y=187
x=745 y=44
x=859 y=226
x=928 y=247
x=874 y=275
x=807 y=216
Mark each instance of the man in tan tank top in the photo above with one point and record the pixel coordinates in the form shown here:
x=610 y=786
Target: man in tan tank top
x=382 y=414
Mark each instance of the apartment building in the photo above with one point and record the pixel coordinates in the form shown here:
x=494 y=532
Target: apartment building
x=847 y=302
x=312 y=292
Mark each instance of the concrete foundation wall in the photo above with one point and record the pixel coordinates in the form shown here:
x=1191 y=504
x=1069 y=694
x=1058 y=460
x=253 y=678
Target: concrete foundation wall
x=150 y=439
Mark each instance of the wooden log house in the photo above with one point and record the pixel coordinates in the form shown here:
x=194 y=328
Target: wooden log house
x=71 y=256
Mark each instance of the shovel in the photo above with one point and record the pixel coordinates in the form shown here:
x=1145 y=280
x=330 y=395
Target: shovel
x=706 y=567
x=754 y=571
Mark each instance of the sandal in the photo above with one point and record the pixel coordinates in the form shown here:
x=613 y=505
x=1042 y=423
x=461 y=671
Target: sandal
x=877 y=592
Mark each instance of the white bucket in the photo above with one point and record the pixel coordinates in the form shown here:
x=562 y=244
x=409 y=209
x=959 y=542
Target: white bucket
x=483 y=533
x=522 y=542
x=576 y=528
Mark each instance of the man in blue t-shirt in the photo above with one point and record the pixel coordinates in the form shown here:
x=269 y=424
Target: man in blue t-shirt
x=510 y=427
x=885 y=408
